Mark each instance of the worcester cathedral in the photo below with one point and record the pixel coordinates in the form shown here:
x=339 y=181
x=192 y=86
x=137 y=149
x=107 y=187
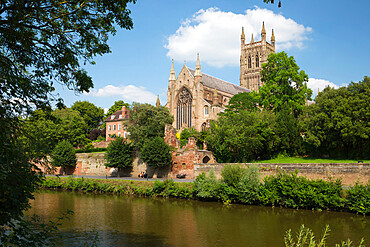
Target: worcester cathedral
x=194 y=98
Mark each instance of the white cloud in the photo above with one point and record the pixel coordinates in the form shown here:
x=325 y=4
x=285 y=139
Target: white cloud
x=129 y=93
x=216 y=35
x=319 y=84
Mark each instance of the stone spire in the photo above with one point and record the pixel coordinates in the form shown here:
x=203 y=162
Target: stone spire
x=242 y=37
x=263 y=32
x=172 y=73
x=252 y=40
x=158 y=103
x=198 y=72
x=273 y=38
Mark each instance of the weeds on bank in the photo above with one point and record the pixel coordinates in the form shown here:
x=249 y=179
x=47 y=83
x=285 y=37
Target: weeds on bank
x=306 y=237
x=237 y=185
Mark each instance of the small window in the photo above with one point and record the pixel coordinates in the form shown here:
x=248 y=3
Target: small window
x=114 y=127
x=109 y=127
x=112 y=117
x=206 y=110
x=119 y=134
x=120 y=116
x=119 y=127
x=126 y=134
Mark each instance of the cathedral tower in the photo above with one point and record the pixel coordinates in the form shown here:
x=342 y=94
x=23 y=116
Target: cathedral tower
x=252 y=56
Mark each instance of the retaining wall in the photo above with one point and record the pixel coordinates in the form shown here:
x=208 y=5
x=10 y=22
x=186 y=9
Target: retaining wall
x=349 y=172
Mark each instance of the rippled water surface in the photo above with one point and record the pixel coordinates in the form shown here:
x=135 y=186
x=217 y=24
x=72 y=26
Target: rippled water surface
x=110 y=220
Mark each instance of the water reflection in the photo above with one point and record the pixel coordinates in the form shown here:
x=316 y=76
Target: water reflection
x=132 y=221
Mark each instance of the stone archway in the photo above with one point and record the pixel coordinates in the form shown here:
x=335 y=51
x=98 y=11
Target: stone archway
x=206 y=159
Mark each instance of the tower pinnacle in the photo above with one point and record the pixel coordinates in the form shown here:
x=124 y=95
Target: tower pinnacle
x=263 y=28
x=198 y=72
x=242 y=36
x=272 y=37
x=252 y=40
x=172 y=73
x=158 y=103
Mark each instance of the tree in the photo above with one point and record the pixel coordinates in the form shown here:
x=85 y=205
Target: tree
x=92 y=114
x=43 y=130
x=242 y=137
x=156 y=152
x=243 y=101
x=191 y=132
x=64 y=155
x=338 y=124
x=43 y=43
x=119 y=153
x=284 y=85
x=148 y=122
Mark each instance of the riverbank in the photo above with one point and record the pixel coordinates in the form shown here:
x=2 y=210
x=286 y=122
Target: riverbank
x=241 y=186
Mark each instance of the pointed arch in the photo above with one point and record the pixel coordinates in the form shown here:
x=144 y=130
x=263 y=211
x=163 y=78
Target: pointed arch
x=257 y=60
x=249 y=61
x=183 y=110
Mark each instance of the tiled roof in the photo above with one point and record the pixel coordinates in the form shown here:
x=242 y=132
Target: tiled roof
x=116 y=117
x=220 y=85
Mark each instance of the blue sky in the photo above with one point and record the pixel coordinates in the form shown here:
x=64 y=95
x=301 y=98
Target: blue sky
x=328 y=39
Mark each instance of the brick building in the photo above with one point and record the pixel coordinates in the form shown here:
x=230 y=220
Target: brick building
x=117 y=124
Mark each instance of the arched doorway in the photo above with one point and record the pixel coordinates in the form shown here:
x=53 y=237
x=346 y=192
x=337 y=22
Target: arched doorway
x=206 y=159
x=183 y=116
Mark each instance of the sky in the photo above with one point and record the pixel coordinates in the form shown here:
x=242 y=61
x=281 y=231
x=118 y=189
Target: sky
x=328 y=39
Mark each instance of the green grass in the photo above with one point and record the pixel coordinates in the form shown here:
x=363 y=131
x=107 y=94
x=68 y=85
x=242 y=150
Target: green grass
x=307 y=160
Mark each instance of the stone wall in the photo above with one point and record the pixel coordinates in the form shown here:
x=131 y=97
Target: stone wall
x=349 y=172
x=93 y=164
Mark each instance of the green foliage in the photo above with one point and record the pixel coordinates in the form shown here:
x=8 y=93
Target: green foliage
x=119 y=153
x=306 y=237
x=358 y=198
x=18 y=174
x=64 y=155
x=242 y=137
x=207 y=186
x=148 y=122
x=287 y=130
x=240 y=183
x=42 y=44
x=284 y=85
x=91 y=114
x=191 y=132
x=243 y=101
x=156 y=152
x=293 y=191
x=339 y=121
x=43 y=130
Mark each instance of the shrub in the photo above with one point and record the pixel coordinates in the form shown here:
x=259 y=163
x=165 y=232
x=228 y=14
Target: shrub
x=292 y=191
x=207 y=187
x=358 y=198
x=156 y=153
x=64 y=155
x=232 y=174
x=249 y=184
x=119 y=153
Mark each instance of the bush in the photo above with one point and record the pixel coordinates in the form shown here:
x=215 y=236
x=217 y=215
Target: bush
x=207 y=187
x=232 y=174
x=290 y=190
x=358 y=198
x=156 y=153
x=64 y=155
x=249 y=185
x=119 y=153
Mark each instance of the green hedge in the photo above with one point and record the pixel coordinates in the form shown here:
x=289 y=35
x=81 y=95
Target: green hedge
x=283 y=189
x=93 y=150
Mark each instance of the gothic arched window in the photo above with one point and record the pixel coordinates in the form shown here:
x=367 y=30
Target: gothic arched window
x=203 y=126
x=183 y=116
x=206 y=110
x=249 y=62
x=257 y=61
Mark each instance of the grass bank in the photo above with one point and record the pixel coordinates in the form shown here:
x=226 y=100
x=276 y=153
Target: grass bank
x=238 y=185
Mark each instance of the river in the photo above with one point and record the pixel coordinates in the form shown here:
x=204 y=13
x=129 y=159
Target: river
x=111 y=220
